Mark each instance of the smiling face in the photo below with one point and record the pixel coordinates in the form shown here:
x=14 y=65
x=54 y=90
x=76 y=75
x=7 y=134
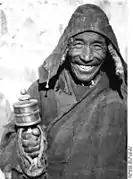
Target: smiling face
x=87 y=53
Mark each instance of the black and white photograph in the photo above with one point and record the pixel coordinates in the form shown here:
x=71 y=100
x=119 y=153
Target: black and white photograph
x=64 y=89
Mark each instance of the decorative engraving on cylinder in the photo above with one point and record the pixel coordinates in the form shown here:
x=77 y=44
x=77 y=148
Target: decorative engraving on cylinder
x=26 y=113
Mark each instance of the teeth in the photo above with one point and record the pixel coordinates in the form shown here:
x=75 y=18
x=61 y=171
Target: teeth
x=85 y=68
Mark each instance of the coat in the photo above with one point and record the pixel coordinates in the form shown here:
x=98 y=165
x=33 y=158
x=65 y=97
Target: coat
x=86 y=138
x=86 y=133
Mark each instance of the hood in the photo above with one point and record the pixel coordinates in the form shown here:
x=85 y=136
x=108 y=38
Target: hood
x=87 y=17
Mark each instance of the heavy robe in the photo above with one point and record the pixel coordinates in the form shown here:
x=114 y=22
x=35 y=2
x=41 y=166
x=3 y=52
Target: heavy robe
x=86 y=132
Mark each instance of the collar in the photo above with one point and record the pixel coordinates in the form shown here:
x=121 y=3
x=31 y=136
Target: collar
x=100 y=87
x=65 y=82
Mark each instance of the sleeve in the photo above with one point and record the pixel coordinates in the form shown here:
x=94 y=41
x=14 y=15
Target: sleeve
x=8 y=139
x=5 y=112
x=7 y=145
x=7 y=131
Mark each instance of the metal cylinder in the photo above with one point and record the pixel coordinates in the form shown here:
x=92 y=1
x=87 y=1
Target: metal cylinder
x=26 y=111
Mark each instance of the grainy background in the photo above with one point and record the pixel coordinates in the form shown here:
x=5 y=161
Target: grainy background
x=30 y=29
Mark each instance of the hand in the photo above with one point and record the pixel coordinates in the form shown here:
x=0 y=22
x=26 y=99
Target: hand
x=31 y=141
x=2 y=176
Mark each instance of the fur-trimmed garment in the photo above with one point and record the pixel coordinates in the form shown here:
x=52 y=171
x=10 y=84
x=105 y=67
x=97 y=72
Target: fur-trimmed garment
x=86 y=125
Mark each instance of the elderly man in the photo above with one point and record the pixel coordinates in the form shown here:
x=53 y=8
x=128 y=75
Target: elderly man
x=82 y=97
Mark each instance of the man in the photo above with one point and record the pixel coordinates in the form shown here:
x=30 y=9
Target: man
x=82 y=97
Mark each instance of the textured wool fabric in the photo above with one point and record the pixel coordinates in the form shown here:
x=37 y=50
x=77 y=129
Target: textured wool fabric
x=86 y=17
x=87 y=136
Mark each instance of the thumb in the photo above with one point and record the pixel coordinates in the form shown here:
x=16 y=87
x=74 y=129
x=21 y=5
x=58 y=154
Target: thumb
x=2 y=175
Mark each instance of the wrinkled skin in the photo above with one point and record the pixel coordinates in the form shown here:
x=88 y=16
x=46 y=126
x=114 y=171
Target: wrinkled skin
x=31 y=142
x=87 y=53
x=96 y=127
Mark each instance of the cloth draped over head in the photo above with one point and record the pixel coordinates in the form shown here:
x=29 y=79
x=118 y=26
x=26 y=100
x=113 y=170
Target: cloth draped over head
x=90 y=18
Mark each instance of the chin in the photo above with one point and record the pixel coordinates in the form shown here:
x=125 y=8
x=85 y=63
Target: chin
x=82 y=80
x=85 y=78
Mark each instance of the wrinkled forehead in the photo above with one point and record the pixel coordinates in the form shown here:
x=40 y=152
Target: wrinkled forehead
x=90 y=36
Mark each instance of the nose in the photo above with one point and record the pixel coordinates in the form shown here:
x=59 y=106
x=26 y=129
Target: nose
x=86 y=54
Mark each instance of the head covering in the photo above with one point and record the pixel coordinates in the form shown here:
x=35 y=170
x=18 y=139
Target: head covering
x=87 y=17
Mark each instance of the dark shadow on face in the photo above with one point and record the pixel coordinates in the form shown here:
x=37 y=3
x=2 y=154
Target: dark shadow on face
x=110 y=69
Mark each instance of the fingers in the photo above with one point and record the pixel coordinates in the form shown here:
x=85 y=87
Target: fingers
x=32 y=149
x=29 y=136
x=26 y=136
x=36 y=132
x=33 y=154
x=32 y=142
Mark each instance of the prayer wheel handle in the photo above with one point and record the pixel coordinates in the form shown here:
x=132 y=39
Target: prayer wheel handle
x=26 y=113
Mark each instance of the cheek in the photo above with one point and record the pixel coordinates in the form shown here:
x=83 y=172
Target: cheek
x=100 y=55
x=75 y=52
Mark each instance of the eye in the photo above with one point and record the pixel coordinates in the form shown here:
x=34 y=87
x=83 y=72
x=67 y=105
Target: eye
x=98 y=46
x=78 y=45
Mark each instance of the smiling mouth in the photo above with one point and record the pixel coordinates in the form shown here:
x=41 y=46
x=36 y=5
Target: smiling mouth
x=84 y=68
